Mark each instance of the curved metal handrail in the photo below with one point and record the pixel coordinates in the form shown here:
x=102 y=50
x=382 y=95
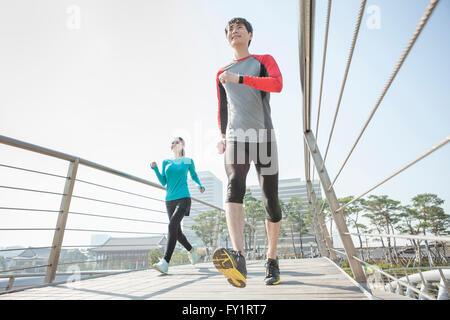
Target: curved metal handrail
x=403 y=236
x=67 y=195
x=64 y=156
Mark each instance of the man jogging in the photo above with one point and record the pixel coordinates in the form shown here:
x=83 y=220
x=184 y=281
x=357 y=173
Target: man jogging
x=243 y=91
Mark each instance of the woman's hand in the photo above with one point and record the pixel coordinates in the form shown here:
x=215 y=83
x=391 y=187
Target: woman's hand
x=201 y=189
x=153 y=164
x=221 y=146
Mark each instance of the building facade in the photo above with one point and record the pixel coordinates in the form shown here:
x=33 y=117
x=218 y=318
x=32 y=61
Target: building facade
x=213 y=194
x=287 y=189
x=127 y=253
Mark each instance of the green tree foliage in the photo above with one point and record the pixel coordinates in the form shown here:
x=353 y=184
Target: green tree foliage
x=154 y=256
x=383 y=214
x=353 y=214
x=255 y=213
x=425 y=216
x=326 y=211
x=430 y=214
x=179 y=257
x=222 y=230
x=295 y=220
x=74 y=255
x=208 y=225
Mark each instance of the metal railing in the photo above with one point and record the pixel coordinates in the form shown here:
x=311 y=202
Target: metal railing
x=67 y=196
x=13 y=277
x=311 y=148
x=388 y=280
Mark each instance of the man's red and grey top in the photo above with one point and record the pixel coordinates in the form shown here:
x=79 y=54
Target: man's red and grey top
x=244 y=107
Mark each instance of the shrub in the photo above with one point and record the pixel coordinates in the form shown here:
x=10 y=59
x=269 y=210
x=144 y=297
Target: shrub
x=154 y=256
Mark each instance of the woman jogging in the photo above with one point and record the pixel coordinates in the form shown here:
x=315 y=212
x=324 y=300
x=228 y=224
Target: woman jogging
x=178 y=199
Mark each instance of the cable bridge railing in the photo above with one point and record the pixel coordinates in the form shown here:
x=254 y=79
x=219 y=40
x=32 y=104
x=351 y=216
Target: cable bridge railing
x=140 y=211
x=412 y=282
x=314 y=159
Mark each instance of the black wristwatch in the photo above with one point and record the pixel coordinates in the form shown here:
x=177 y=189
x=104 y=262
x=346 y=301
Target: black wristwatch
x=241 y=79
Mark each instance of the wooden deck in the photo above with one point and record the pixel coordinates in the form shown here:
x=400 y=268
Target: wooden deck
x=305 y=279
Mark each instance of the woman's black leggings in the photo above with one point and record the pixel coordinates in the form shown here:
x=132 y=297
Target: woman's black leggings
x=176 y=209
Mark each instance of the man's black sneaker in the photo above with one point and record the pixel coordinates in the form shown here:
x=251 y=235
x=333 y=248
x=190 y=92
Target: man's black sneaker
x=272 y=272
x=232 y=265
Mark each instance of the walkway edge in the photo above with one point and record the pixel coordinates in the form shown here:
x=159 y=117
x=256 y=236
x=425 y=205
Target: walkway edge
x=363 y=290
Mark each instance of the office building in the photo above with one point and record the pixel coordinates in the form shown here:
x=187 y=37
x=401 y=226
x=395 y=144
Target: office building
x=213 y=194
x=288 y=188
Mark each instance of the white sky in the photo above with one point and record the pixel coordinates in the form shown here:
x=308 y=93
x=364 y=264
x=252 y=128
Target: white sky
x=115 y=83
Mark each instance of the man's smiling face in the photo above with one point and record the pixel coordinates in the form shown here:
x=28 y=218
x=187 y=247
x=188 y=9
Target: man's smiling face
x=237 y=35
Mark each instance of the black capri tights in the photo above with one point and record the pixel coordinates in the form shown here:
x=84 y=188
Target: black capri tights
x=176 y=209
x=238 y=156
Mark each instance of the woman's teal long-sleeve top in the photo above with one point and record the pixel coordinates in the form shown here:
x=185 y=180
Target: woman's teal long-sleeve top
x=174 y=175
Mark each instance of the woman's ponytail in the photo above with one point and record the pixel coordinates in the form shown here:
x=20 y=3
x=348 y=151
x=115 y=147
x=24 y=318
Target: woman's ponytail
x=182 y=151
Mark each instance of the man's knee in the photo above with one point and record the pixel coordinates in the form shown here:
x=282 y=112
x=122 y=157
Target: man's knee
x=235 y=189
x=274 y=217
x=273 y=209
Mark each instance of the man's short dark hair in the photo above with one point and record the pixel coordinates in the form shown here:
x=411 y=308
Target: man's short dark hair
x=238 y=21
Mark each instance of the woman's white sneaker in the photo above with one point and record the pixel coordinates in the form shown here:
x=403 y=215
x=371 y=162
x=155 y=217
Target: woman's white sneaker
x=162 y=266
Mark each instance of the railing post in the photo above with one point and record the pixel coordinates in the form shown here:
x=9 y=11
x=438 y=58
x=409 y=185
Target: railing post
x=399 y=289
x=10 y=284
x=444 y=289
x=321 y=220
x=338 y=216
x=409 y=293
x=61 y=223
x=424 y=286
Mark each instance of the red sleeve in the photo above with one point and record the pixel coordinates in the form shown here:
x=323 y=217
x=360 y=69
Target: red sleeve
x=272 y=81
x=222 y=112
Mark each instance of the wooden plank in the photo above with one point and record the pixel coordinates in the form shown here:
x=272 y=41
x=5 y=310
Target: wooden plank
x=305 y=279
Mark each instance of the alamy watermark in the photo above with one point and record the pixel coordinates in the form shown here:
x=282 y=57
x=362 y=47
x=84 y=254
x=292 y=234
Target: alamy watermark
x=373 y=21
x=73 y=21
x=245 y=146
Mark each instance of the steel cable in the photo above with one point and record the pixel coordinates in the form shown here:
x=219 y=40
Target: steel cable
x=412 y=41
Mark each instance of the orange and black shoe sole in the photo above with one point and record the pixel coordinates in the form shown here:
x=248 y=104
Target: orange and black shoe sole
x=225 y=264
